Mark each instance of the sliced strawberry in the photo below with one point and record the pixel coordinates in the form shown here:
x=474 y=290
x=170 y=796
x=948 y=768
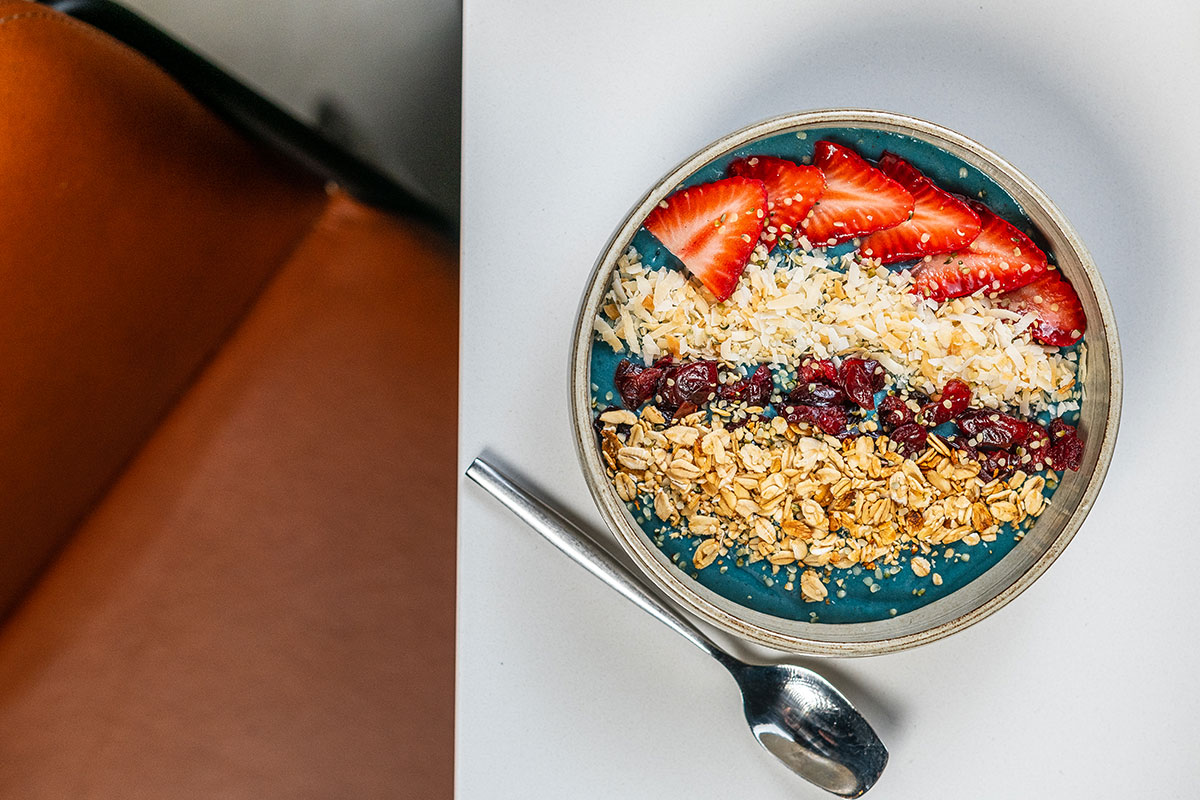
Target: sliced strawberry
x=858 y=198
x=1060 y=317
x=792 y=190
x=712 y=229
x=940 y=222
x=1000 y=259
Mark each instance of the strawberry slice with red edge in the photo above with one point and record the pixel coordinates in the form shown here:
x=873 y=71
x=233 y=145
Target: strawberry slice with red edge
x=1060 y=318
x=858 y=199
x=792 y=189
x=940 y=222
x=1000 y=259
x=712 y=228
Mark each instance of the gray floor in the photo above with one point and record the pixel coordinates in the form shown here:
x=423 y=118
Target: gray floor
x=382 y=75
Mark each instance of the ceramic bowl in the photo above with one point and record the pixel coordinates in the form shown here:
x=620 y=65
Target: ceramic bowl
x=956 y=163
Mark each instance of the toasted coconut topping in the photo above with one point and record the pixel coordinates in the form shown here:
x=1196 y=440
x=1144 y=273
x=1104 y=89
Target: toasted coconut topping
x=795 y=304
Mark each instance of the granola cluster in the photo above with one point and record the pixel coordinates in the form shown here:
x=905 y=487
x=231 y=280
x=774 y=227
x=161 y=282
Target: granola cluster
x=805 y=502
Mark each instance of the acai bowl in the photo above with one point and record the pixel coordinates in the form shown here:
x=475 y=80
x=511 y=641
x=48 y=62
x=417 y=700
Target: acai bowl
x=844 y=382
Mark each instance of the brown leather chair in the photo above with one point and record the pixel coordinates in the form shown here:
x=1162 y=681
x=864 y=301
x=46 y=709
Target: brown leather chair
x=227 y=448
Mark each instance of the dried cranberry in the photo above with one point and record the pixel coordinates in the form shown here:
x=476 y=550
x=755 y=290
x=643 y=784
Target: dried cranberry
x=1066 y=448
x=933 y=414
x=694 y=382
x=995 y=464
x=911 y=438
x=830 y=419
x=953 y=400
x=734 y=392
x=1059 y=428
x=862 y=378
x=958 y=394
x=816 y=394
x=894 y=412
x=961 y=444
x=684 y=410
x=755 y=390
x=1037 y=444
x=762 y=383
x=992 y=430
x=823 y=371
x=635 y=383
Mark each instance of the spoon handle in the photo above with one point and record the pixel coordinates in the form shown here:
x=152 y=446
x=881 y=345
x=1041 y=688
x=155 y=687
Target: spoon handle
x=583 y=550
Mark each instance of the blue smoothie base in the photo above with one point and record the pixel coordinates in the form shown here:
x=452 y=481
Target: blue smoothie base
x=855 y=594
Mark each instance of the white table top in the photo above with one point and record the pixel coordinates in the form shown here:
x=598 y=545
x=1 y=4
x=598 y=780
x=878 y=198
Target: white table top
x=1087 y=685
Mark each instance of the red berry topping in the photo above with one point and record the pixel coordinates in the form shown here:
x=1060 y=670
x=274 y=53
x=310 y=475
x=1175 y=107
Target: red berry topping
x=694 y=382
x=862 y=378
x=830 y=419
x=940 y=221
x=792 y=190
x=1066 y=448
x=823 y=370
x=635 y=383
x=712 y=229
x=894 y=412
x=816 y=394
x=1036 y=446
x=858 y=198
x=958 y=395
x=954 y=400
x=754 y=390
x=1000 y=259
x=993 y=430
x=1060 y=317
x=911 y=438
x=995 y=464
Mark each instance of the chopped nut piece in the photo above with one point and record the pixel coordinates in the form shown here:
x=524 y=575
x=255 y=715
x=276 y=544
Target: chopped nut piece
x=619 y=416
x=683 y=471
x=682 y=435
x=1005 y=511
x=634 y=458
x=706 y=553
x=811 y=588
x=626 y=489
x=663 y=508
x=981 y=518
x=814 y=515
x=764 y=530
x=652 y=415
x=939 y=481
x=792 y=527
x=705 y=526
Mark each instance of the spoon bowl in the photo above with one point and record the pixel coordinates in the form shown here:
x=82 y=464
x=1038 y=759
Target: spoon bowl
x=797 y=715
x=806 y=723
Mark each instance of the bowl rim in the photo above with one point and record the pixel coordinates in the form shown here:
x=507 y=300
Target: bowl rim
x=670 y=579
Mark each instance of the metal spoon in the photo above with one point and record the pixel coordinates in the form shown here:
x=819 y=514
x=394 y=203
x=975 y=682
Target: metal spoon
x=794 y=713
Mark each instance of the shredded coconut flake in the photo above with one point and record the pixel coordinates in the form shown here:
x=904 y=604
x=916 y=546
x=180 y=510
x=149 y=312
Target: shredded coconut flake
x=791 y=305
